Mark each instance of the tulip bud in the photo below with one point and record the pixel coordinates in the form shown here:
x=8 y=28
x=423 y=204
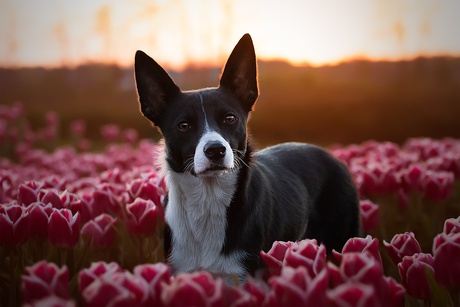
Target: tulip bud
x=142 y=216
x=402 y=245
x=369 y=215
x=413 y=275
x=101 y=231
x=14 y=225
x=64 y=228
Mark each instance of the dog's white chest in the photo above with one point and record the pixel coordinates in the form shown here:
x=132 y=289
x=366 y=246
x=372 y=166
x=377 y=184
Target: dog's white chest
x=196 y=214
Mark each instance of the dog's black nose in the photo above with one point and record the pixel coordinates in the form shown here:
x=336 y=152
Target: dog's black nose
x=214 y=150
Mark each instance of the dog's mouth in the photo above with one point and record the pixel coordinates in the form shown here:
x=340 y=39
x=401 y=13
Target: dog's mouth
x=214 y=170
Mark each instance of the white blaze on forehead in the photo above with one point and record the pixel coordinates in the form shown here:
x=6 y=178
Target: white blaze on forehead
x=201 y=162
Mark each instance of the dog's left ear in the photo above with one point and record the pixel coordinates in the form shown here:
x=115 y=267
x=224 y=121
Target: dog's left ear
x=240 y=73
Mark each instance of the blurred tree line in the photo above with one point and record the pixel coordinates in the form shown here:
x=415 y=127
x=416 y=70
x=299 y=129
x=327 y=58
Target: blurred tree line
x=346 y=103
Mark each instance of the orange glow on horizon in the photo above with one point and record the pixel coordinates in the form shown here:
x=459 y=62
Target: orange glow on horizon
x=179 y=33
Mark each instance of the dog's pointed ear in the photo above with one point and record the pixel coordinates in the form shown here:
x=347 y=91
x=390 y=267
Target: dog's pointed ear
x=154 y=86
x=240 y=73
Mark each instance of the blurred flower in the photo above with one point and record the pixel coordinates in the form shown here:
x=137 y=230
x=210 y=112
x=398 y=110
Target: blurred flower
x=369 y=215
x=452 y=226
x=156 y=275
x=352 y=294
x=260 y=291
x=130 y=136
x=44 y=279
x=97 y=269
x=411 y=178
x=50 y=197
x=446 y=260
x=64 y=228
x=78 y=128
x=438 y=185
x=413 y=275
x=51 y=118
x=110 y=132
x=51 y=301
x=295 y=287
x=100 y=231
x=402 y=245
x=14 y=225
x=142 y=216
x=196 y=289
x=360 y=245
x=393 y=293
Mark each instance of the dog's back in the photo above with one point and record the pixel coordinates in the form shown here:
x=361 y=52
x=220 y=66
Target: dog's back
x=277 y=182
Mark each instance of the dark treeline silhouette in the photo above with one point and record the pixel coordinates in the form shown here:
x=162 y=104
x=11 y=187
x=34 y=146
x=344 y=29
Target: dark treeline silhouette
x=346 y=103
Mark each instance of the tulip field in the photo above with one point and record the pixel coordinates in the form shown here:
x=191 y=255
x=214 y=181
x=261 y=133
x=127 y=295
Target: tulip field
x=83 y=226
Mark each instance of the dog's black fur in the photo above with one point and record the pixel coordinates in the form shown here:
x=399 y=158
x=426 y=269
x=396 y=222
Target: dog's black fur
x=286 y=192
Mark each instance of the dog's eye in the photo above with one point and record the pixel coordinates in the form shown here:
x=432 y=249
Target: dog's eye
x=229 y=118
x=184 y=126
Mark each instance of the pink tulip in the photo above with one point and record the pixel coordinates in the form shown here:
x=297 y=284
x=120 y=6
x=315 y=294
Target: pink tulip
x=14 y=225
x=239 y=297
x=358 y=268
x=413 y=275
x=97 y=269
x=260 y=291
x=452 y=226
x=402 y=245
x=394 y=293
x=100 y=231
x=307 y=254
x=360 y=245
x=369 y=215
x=64 y=228
x=51 y=118
x=28 y=192
x=148 y=189
x=352 y=294
x=446 y=260
x=274 y=258
x=196 y=289
x=50 y=196
x=45 y=279
x=142 y=216
x=157 y=276
x=105 y=200
x=295 y=287
x=438 y=186
x=411 y=178
x=130 y=136
x=116 y=289
x=39 y=214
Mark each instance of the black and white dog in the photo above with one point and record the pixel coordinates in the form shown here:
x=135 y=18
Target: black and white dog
x=227 y=202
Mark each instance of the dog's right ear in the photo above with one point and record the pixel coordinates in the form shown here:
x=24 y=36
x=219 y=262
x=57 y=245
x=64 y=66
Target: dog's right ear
x=154 y=87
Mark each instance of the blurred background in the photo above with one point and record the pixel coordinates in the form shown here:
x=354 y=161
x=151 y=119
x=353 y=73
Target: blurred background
x=329 y=71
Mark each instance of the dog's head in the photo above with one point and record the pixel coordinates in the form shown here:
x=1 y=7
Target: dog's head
x=204 y=130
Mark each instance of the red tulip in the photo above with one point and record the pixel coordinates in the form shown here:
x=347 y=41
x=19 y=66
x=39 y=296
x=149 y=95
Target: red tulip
x=295 y=287
x=352 y=294
x=97 y=269
x=411 y=178
x=44 y=279
x=156 y=275
x=260 y=291
x=196 y=289
x=53 y=300
x=402 y=245
x=105 y=201
x=100 y=231
x=447 y=260
x=413 y=275
x=50 y=196
x=142 y=216
x=394 y=293
x=64 y=228
x=452 y=226
x=369 y=215
x=14 y=225
x=360 y=245
x=148 y=189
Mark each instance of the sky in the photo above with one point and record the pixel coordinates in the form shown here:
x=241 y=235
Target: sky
x=177 y=33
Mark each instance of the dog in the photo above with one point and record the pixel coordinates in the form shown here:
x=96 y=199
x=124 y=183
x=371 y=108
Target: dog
x=227 y=202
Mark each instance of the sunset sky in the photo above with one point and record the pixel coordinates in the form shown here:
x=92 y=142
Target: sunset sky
x=180 y=32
